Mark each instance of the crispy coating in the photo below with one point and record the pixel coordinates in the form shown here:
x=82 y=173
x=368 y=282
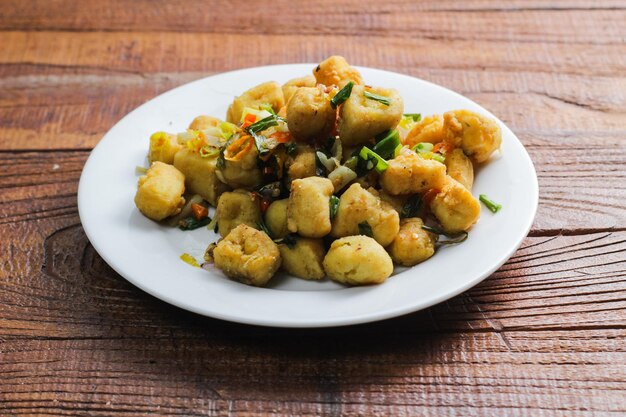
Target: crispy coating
x=247 y=255
x=459 y=167
x=163 y=147
x=200 y=177
x=363 y=118
x=309 y=114
x=429 y=129
x=477 y=135
x=244 y=173
x=160 y=191
x=410 y=174
x=305 y=259
x=413 y=244
x=235 y=208
x=335 y=70
x=302 y=164
x=308 y=212
x=455 y=207
x=357 y=260
x=276 y=218
x=291 y=86
x=357 y=205
x=204 y=122
x=267 y=93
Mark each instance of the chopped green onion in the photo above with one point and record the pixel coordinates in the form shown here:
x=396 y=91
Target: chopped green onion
x=333 y=203
x=378 y=98
x=267 y=107
x=491 y=205
x=342 y=95
x=366 y=229
x=439 y=157
x=387 y=143
x=416 y=117
x=261 y=125
x=352 y=162
x=454 y=238
x=289 y=240
x=423 y=147
x=412 y=207
x=263 y=227
x=291 y=147
x=369 y=155
x=190 y=223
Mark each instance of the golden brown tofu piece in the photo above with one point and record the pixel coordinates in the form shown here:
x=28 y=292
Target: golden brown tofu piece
x=308 y=211
x=411 y=174
x=478 y=136
x=413 y=244
x=235 y=208
x=276 y=218
x=363 y=118
x=160 y=191
x=248 y=256
x=291 y=86
x=455 y=207
x=335 y=70
x=309 y=114
x=429 y=129
x=459 y=167
x=357 y=260
x=356 y=206
x=200 y=176
x=305 y=259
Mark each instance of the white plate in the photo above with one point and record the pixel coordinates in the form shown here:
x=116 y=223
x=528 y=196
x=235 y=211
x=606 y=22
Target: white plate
x=147 y=254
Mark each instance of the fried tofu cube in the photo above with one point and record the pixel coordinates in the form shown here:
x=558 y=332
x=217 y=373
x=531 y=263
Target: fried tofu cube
x=248 y=256
x=235 y=208
x=455 y=207
x=335 y=70
x=160 y=191
x=409 y=174
x=356 y=206
x=459 y=167
x=477 y=135
x=305 y=259
x=200 y=176
x=308 y=211
x=357 y=260
x=413 y=244
x=363 y=118
x=309 y=114
x=163 y=147
x=291 y=86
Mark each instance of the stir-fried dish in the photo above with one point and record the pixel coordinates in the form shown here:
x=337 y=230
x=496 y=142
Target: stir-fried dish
x=324 y=176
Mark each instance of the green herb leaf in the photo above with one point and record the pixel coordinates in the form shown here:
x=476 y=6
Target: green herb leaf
x=366 y=229
x=454 y=238
x=333 y=203
x=491 y=205
x=416 y=117
x=386 y=144
x=261 y=125
x=412 y=207
x=369 y=155
x=190 y=223
x=291 y=147
x=423 y=147
x=381 y=99
x=263 y=227
x=342 y=95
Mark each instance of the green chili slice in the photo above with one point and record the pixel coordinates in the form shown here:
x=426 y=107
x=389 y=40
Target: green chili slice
x=342 y=95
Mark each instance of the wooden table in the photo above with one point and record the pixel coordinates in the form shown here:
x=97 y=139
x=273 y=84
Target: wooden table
x=543 y=336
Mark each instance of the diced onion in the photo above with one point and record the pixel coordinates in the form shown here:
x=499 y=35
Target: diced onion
x=341 y=177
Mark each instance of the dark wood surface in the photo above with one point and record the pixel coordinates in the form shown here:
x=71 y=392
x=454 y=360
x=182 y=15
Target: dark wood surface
x=543 y=336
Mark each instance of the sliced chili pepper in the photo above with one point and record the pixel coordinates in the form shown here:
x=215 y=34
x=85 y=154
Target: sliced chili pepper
x=199 y=211
x=236 y=150
x=443 y=148
x=248 y=120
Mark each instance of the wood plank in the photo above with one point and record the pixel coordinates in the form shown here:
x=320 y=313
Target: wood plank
x=317 y=373
x=543 y=22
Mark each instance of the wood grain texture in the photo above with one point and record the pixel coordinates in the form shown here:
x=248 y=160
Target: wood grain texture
x=543 y=336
